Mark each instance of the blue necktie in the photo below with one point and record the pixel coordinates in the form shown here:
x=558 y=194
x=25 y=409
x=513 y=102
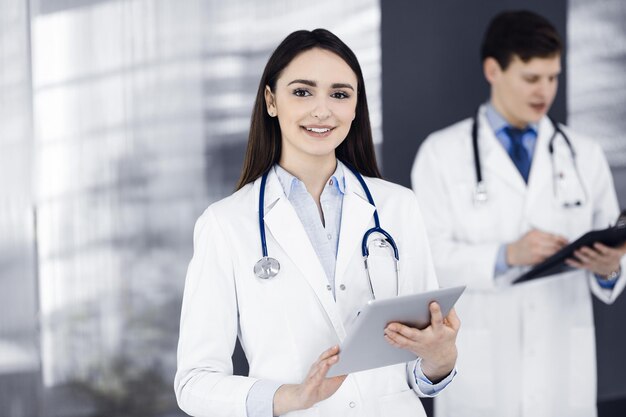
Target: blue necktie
x=518 y=152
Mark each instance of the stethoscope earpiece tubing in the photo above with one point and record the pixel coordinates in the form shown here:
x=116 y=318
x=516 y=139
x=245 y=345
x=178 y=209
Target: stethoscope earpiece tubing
x=480 y=189
x=477 y=165
x=376 y=228
x=262 y=214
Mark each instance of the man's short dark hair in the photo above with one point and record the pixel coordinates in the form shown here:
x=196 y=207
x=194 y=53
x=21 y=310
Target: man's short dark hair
x=522 y=33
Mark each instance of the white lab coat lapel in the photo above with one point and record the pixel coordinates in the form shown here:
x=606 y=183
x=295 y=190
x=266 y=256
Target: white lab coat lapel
x=285 y=227
x=356 y=218
x=496 y=162
x=541 y=167
x=538 y=199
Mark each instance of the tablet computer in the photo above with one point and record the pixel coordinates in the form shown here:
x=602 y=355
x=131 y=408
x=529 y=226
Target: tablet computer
x=365 y=346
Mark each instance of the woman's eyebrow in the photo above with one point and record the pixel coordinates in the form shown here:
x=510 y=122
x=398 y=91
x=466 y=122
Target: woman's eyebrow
x=314 y=84
x=306 y=82
x=342 y=85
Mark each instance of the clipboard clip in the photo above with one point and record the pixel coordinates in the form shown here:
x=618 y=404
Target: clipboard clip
x=621 y=220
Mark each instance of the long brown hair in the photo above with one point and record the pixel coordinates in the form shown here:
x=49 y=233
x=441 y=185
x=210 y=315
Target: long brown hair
x=264 y=139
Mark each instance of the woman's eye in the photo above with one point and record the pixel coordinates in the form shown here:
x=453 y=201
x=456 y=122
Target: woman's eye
x=300 y=92
x=340 y=95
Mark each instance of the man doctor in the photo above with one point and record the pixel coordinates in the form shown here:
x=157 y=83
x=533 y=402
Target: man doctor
x=526 y=349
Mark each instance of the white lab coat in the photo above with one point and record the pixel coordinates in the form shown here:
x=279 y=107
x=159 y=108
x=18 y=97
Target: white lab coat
x=285 y=323
x=524 y=350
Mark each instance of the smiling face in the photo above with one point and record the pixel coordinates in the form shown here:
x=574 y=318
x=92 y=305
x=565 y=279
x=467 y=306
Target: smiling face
x=524 y=91
x=315 y=101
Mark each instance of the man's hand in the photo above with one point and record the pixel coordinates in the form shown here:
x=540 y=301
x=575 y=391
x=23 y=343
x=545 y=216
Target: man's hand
x=599 y=259
x=533 y=248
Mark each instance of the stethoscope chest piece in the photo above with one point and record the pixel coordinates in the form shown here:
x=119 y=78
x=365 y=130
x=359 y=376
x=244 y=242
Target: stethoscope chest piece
x=266 y=268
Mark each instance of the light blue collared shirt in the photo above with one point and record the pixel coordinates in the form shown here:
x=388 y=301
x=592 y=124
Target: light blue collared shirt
x=323 y=236
x=499 y=124
x=325 y=239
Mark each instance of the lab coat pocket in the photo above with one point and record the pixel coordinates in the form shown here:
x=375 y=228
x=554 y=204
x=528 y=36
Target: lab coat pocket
x=578 y=221
x=571 y=221
x=473 y=390
x=582 y=367
x=400 y=404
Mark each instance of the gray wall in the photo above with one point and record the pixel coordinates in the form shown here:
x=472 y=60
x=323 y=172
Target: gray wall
x=432 y=74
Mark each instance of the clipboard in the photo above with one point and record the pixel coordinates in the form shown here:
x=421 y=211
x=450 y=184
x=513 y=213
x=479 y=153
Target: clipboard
x=365 y=346
x=555 y=264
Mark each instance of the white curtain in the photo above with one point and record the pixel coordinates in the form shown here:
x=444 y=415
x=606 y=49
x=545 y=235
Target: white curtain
x=596 y=72
x=141 y=112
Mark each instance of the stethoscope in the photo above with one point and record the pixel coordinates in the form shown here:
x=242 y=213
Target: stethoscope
x=480 y=191
x=268 y=267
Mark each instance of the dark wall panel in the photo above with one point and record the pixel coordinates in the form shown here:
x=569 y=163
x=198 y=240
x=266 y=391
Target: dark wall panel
x=432 y=74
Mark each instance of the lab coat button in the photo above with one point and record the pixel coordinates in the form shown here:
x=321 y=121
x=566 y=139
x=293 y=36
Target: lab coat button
x=329 y=236
x=342 y=287
x=328 y=287
x=352 y=404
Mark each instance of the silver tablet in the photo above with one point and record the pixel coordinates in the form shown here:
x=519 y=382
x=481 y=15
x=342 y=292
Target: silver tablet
x=365 y=346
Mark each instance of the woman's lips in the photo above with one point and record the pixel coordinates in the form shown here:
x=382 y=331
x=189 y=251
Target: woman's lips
x=317 y=132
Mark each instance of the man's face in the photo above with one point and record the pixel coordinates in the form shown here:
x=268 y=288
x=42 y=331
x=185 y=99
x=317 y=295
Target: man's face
x=524 y=92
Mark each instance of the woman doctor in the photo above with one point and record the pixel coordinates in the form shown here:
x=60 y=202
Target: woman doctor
x=310 y=124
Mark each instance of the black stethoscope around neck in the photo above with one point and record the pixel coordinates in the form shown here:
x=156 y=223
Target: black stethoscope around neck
x=268 y=267
x=480 y=191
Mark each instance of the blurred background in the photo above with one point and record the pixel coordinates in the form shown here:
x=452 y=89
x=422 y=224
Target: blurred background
x=121 y=120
